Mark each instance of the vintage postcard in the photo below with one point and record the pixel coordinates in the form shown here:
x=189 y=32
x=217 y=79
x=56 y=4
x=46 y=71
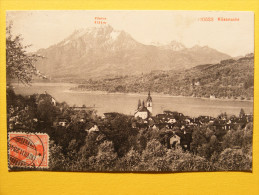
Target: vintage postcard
x=130 y=91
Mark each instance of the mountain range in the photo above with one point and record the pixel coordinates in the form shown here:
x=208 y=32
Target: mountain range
x=102 y=51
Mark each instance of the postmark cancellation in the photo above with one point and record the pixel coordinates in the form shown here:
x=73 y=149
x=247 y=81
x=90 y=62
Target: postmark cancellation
x=28 y=150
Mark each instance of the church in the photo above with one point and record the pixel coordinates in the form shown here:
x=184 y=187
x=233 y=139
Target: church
x=144 y=111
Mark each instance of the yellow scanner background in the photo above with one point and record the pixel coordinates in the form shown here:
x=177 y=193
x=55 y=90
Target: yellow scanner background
x=46 y=183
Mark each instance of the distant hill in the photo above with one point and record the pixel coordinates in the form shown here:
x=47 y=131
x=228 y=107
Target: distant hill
x=227 y=79
x=100 y=51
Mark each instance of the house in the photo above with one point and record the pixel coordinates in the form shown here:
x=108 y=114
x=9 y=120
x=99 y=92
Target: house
x=53 y=101
x=203 y=119
x=154 y=127
x=134 y=125
x=93 y=129
x=212 y=97
x=47 y=97
x=142 y=112
x=82 y=120
x=249 y=117
x=168 y=112
x=109 y=115
x=171 y=121
x=197 y=83
x=61 y=122
x=142 y=125
x=82 y=108
x=174 y=141
x=186 y=139
x=175 y=115
x=161 y=125
x=161 y=116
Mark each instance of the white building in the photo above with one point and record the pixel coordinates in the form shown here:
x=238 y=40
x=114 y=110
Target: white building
x=143 y=111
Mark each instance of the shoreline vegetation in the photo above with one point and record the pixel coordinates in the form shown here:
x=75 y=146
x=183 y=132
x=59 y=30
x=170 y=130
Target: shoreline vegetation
x=155 y=94
x=78 y=90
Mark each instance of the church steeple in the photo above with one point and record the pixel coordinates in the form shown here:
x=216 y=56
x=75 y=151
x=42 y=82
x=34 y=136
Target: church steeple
x=149 y=98
x=139 y=103
x=143 y=104
x=149 y=102
x=144 y=109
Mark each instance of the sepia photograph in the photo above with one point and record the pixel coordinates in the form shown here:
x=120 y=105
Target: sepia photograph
x=130 y=91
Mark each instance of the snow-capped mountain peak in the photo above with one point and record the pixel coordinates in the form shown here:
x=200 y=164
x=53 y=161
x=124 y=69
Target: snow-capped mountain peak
x=95 y=51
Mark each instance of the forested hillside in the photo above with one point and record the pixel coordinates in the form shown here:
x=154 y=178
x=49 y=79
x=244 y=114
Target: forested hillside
x=228 y=79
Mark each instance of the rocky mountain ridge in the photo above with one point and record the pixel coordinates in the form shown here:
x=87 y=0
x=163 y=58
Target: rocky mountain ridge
x=102 y=51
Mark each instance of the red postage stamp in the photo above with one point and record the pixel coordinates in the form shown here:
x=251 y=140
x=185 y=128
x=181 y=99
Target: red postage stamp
x=28 y=150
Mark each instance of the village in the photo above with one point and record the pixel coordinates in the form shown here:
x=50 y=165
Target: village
x=177 y=127
x=180 y=127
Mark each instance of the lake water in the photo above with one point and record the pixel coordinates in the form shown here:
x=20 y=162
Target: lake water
x=127 y=103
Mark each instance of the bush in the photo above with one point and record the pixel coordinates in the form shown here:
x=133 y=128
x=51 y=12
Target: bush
x=129 y=162
x=153 y=157
x=57 y=160
x=105 y=159
x=234 y=160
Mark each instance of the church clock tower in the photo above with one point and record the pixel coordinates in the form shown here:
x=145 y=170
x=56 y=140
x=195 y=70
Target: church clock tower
x=149 y=103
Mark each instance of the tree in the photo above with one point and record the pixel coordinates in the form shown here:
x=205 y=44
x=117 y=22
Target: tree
x=105 y=159
x=242 y=113
x=249 y=83
x=234 y=160
x=129 y=162
x=199 y=138
x=154 y=157
x=19 y=63
x=194 y=163
x=57 y=159
x=139 y=103
x=119 y=130
x=90 y=148
x=46 y=111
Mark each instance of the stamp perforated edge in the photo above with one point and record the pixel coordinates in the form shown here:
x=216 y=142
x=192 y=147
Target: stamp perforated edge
x=26 y=167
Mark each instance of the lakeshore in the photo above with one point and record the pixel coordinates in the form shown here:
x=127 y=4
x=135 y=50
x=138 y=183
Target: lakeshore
x=126 y=103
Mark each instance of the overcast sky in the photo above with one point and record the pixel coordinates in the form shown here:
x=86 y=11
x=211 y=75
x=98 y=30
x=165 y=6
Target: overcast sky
x=45 y=28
